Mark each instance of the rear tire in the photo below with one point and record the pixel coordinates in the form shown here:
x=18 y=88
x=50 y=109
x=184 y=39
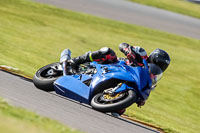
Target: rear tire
x=104 y=106
x=45 y=76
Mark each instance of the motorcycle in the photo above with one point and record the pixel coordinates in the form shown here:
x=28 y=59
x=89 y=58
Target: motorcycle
x=106 y=87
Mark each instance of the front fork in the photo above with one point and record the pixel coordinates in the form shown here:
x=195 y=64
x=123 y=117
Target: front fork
x=119 y=88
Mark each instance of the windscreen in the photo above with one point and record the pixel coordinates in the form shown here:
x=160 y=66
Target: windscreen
x=155 y=73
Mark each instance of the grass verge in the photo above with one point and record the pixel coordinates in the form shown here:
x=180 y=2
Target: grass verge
x=17 y=120
x=178 y=6
x=33 y=35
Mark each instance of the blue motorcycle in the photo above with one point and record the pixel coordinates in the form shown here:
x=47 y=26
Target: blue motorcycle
x=106 y=87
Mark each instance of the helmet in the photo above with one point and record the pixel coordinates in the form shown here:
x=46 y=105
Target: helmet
x=160 y=58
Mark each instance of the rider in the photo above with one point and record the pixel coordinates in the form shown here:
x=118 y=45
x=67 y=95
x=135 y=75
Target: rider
x=106 y=55
x=135 y=56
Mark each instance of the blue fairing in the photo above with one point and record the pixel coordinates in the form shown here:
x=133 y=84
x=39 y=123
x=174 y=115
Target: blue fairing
x=138 y=75
x=73 y=86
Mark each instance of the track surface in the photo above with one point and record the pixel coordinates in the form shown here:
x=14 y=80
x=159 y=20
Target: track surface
x=19 y=92
x=132 y=13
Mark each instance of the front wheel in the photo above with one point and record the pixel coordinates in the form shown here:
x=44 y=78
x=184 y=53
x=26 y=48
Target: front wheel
x=46 y=75
x=107 y=103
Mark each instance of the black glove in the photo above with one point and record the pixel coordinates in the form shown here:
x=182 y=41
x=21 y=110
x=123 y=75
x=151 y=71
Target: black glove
x=128 y=51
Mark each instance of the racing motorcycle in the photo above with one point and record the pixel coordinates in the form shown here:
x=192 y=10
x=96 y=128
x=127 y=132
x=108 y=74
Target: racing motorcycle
x=106 y=87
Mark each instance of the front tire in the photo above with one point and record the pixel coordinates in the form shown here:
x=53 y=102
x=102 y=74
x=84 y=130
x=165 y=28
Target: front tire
x=99 y=103
x=46 y=75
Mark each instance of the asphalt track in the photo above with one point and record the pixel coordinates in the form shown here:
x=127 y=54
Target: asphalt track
x=20 y=92
x=132 y=13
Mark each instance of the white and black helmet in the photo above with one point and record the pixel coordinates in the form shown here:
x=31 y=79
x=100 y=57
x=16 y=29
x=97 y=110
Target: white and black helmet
x=160 y=58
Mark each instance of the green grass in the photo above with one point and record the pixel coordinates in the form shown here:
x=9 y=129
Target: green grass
x=17 y=120
x=179 y=6
x=33 y=35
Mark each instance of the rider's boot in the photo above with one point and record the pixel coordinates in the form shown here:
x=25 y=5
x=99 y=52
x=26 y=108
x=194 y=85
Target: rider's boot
x=64 y=58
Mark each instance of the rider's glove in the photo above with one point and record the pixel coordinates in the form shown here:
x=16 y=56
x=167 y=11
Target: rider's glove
x=130 y=54
x=126 y=48
x=134 y=59
x=129 y=50
x=131 y=57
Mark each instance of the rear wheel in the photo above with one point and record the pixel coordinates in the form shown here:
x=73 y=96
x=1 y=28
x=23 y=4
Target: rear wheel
x=108 y=103
x=46 y=75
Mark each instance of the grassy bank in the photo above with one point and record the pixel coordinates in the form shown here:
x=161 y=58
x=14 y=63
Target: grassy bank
x=17 y=120
x=33 y=35
x=178 y=6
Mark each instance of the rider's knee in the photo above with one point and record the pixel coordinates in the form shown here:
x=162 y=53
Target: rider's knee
x=104 y=50
x=107 y=51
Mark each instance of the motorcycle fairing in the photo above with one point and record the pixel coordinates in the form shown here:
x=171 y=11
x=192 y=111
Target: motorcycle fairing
x=111 y=71
x=139 y=76
x=73 y=87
